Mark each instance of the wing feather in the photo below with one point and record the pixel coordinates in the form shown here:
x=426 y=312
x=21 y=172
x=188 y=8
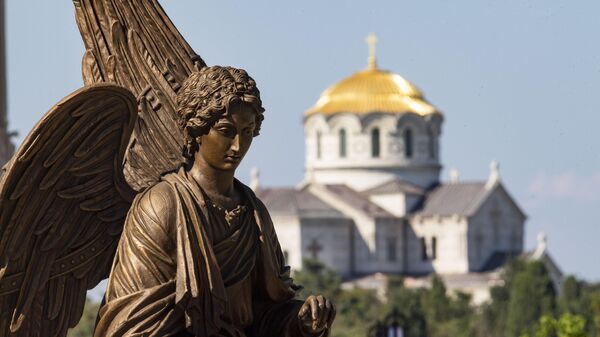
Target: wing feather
x=56 y=292
x=100 y=157
x=97 y=140
x=110 y=215
x=90 y=187
x=62 y=206
x=133 y=43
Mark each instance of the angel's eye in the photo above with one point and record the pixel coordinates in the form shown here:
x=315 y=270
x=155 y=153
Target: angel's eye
x=249 y=131
x=227 y=131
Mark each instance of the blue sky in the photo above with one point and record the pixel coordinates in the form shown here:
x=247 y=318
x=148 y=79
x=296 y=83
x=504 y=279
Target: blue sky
x=517 y=81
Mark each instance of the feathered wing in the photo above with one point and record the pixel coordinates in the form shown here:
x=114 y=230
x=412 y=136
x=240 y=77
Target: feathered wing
x=63 y=200
x=134 y=44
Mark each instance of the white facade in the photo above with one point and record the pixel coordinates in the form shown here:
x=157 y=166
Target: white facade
x=365 y=151
x=364 y=234
x=372 y=201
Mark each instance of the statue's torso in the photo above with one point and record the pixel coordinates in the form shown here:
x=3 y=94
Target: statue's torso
x=148 y=252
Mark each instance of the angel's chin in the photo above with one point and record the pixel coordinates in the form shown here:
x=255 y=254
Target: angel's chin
x=228 y=166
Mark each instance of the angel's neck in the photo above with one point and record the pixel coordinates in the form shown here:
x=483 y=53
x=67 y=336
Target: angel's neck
x=214 y=182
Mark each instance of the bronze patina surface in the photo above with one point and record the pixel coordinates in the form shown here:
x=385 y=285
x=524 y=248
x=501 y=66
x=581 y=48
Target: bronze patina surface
x=132 y=176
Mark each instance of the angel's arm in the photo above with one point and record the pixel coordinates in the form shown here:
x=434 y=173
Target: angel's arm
x=145 y=255
x=143 y=274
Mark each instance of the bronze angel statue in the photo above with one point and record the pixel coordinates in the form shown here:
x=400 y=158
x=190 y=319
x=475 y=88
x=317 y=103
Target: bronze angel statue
x=132 y=176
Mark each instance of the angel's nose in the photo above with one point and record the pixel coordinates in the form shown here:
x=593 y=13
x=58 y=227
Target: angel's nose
x=235 y=143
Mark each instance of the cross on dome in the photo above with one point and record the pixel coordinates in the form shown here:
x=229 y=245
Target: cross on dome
x=372 y=42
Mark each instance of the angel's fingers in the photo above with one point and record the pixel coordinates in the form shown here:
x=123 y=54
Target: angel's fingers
x=314 y=306
x=303 y=311
x=323 y=312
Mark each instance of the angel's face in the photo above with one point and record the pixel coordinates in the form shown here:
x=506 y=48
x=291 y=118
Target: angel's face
x=227 y=142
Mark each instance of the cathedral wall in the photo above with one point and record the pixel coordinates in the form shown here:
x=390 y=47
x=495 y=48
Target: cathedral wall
x=393 y=203
x=439 y=244
x=364 y=178
x=389 y=253
x=415 y=264
x=415 y=160
x=364 y=257
x=288 y=232
x=398 y=204
x=497 y=226
x=329 y=240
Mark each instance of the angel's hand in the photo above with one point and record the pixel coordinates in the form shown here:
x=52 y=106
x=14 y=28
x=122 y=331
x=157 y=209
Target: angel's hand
x=316 y=314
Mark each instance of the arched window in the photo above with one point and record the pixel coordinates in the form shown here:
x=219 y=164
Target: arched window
x=343 y=144
x=318 y=144
x=408 y=143
x=375 y=143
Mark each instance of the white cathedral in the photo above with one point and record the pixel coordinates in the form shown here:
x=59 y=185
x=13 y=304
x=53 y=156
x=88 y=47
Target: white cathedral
x=372 y=201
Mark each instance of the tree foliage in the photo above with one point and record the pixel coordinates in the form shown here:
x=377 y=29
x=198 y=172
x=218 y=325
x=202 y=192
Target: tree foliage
x=524 y=305
x=531 y=296
x=566 y=326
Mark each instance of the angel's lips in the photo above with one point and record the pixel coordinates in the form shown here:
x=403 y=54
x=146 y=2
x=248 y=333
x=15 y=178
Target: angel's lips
x=233 y=159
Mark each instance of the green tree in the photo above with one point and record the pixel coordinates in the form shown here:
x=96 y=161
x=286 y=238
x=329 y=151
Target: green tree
x=595 y=309
x=430 y=311
x=570 y=299
x=577 y=298
x=491 y=321
x=531 y=296
x=566 y=326
x=357 y=309
x=435 y=302
x=406 y=304
x=317 y=279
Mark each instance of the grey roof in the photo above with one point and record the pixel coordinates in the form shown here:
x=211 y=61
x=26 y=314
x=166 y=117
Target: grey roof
x=395 y=186
x=357 y=200
x=462 y=198
x=291 y=201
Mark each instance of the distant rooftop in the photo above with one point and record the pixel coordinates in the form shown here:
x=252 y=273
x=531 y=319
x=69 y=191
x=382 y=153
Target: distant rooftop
x=462 y=198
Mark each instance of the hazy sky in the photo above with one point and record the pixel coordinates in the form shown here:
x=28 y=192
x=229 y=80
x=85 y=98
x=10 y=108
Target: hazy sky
x=518 y=81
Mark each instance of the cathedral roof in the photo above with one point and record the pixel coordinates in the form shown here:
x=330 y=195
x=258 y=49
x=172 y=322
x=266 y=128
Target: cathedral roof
x=462 y=198
x=288 y=200
x=395 y=186
x=372 y=90
x=357 y=200
x=303 y=202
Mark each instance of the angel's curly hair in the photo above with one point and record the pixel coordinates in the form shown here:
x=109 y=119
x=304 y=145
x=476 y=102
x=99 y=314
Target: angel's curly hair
x=205 y=97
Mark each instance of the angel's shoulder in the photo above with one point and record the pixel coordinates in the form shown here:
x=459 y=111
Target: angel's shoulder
x=157 y=204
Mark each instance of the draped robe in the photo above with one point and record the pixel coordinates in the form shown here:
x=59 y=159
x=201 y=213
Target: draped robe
x=184 y=267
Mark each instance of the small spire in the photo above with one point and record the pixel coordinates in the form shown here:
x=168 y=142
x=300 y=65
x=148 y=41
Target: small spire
x=372 y=42
x=542 y=245
x=494 y=177
x=542 y=240
x=454 y=176
x=254 y=179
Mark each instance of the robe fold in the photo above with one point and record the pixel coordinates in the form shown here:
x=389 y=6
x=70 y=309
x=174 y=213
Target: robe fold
x=185 y=267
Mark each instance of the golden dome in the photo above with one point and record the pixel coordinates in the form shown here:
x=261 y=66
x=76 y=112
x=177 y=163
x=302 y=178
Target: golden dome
x=372 y=90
